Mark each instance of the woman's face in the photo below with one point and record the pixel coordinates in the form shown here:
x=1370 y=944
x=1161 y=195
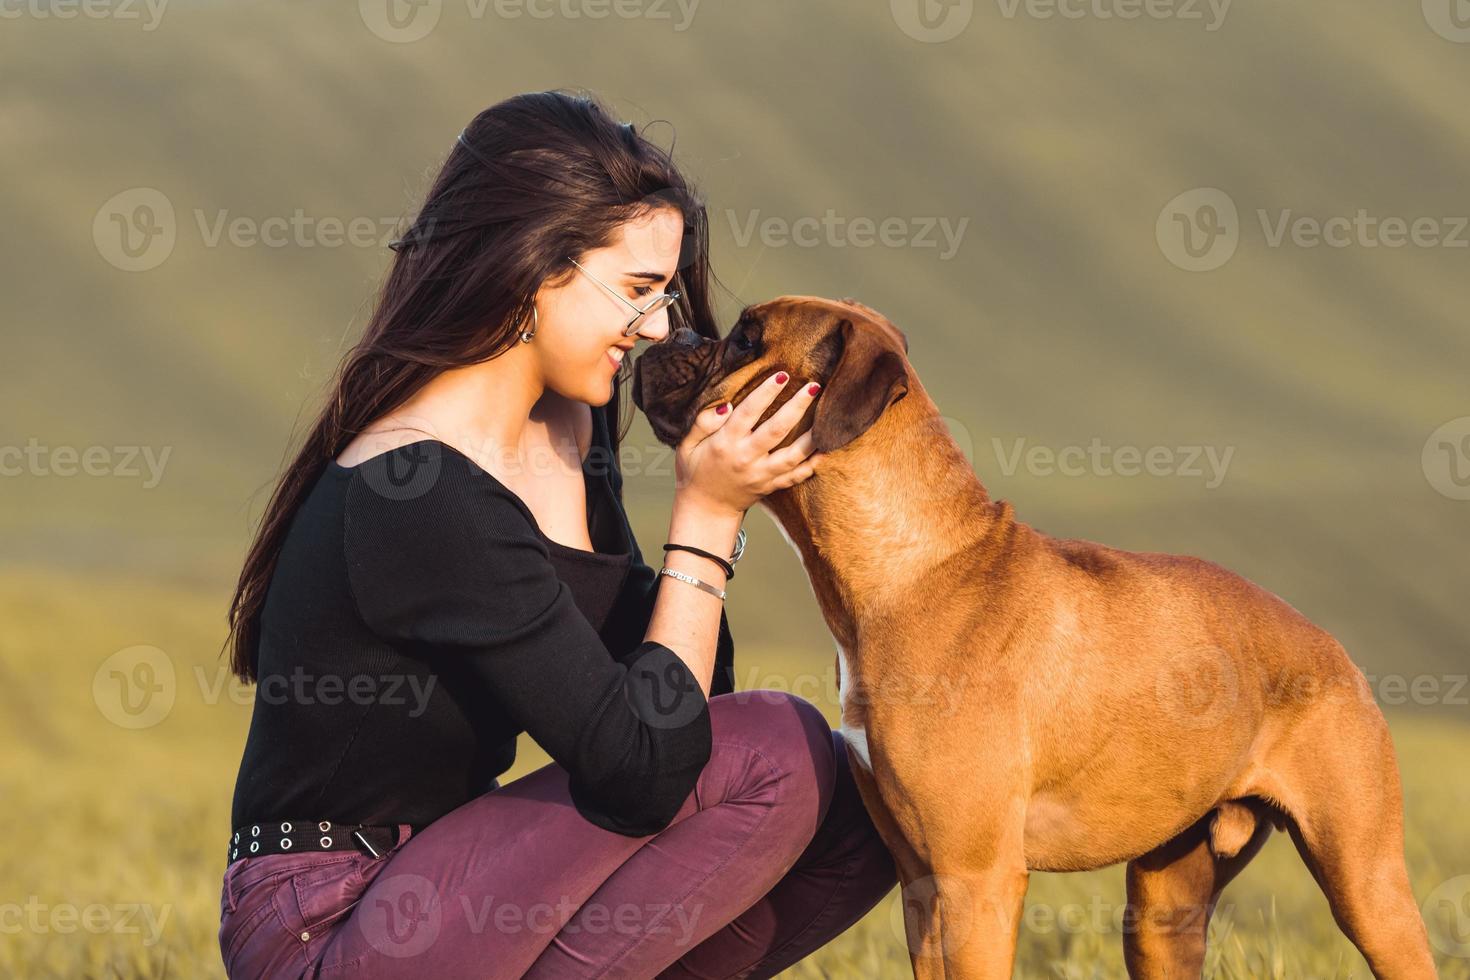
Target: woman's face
x=579 y=342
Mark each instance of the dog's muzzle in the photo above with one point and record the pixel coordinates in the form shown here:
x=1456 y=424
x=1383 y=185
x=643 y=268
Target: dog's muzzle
x=667 y=380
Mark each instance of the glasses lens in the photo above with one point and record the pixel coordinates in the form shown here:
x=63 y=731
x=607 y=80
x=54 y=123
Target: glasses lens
x=660 y=302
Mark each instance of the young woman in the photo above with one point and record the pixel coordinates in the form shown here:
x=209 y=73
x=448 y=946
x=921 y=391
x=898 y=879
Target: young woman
x=447 y=563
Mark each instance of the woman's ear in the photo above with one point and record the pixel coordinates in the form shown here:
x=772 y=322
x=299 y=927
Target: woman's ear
x=868 y=377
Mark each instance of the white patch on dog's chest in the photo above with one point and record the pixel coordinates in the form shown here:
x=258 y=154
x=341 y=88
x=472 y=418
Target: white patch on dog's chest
x=855 y=735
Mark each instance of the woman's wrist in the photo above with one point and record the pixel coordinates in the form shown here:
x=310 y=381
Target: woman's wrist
x=707 y=526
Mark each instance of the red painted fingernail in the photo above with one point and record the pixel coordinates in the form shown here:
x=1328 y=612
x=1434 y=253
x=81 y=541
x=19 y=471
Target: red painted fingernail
x=781 y=377
x=723 y=409
x=813 y=389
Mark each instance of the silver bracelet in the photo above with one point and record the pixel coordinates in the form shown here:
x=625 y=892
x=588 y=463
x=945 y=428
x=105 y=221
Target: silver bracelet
x=682 y=577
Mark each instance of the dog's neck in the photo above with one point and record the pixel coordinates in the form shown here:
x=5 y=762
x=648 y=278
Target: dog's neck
x=896 y=504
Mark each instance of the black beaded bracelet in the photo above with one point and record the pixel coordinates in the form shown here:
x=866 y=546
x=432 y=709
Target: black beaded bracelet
x=729 y=569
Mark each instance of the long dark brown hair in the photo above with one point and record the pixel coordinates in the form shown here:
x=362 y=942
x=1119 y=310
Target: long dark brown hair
x=530 y=181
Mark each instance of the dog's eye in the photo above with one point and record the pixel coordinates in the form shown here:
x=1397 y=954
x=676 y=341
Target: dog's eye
x=742 y=341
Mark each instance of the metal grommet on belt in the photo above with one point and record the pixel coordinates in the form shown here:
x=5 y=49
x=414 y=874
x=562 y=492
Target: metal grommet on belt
x=326 y=842
x=324 y=826
x=285 y=843
x=254 y=846
x=285 y=826
x=255 y=831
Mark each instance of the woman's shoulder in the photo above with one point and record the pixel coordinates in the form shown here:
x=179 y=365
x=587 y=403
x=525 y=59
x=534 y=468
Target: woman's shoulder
x=429 y=484
x=423 y=525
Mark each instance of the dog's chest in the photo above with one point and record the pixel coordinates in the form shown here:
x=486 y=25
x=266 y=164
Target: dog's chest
x=852 y=728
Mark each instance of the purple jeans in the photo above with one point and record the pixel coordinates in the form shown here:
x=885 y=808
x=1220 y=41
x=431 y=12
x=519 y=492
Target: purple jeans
x=769 y=858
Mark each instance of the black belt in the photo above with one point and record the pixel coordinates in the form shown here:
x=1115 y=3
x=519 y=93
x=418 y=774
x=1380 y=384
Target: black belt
x=293 y=836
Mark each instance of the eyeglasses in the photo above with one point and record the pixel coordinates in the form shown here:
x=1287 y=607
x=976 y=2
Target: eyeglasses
x=654 y=304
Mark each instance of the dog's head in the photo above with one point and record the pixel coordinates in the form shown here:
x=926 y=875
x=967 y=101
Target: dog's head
x=856 y=354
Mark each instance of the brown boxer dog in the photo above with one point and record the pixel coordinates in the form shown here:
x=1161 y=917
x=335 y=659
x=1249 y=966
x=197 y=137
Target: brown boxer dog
x=1114 y=706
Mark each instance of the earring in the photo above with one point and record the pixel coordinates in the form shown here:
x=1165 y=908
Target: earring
x=526 y=335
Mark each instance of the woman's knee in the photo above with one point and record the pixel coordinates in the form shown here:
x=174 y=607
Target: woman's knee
x=785 y=738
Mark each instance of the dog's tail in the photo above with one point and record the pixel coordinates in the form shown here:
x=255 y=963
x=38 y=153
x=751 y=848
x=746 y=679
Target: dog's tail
x=1235 y=823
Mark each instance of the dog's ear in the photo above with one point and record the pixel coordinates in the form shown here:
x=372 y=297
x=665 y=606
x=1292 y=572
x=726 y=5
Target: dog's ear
x=879 y=316
x=868 y=377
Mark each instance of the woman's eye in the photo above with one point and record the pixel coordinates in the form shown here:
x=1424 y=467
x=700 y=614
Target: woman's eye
x=642 y=290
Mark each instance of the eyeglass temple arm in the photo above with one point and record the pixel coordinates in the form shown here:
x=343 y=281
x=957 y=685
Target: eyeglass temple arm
x=616 y=295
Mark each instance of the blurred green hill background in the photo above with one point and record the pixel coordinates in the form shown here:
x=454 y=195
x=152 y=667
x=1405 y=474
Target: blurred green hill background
x=1051 y=143
x=1080 y=164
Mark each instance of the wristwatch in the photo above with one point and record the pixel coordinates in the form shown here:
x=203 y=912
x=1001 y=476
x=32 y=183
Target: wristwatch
x=739 y=546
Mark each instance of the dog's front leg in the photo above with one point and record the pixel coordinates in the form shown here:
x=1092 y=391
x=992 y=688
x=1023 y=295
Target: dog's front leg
x=963 y=924
x=959 y=845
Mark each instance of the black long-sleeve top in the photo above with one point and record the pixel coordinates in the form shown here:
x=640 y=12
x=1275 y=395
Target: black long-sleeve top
x=418 y=620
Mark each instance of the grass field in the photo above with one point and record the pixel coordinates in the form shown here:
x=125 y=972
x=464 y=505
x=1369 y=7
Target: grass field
x=1330 y=375
x=113 y=852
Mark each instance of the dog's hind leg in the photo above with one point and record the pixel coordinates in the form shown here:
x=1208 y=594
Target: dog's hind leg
x=1340 y=786
x=1172 y=890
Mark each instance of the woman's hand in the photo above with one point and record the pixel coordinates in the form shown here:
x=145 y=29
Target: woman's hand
x=726 y=463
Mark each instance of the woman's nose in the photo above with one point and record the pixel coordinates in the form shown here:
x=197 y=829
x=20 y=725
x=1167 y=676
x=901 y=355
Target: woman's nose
x=654 y=328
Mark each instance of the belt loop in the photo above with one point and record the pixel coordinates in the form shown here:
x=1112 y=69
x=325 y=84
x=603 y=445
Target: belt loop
x=405 y=831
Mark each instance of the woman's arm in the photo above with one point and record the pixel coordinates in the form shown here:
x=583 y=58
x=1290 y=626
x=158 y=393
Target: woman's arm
x=686 y=619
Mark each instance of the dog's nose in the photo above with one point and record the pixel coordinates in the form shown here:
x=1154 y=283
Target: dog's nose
x=686 y=337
